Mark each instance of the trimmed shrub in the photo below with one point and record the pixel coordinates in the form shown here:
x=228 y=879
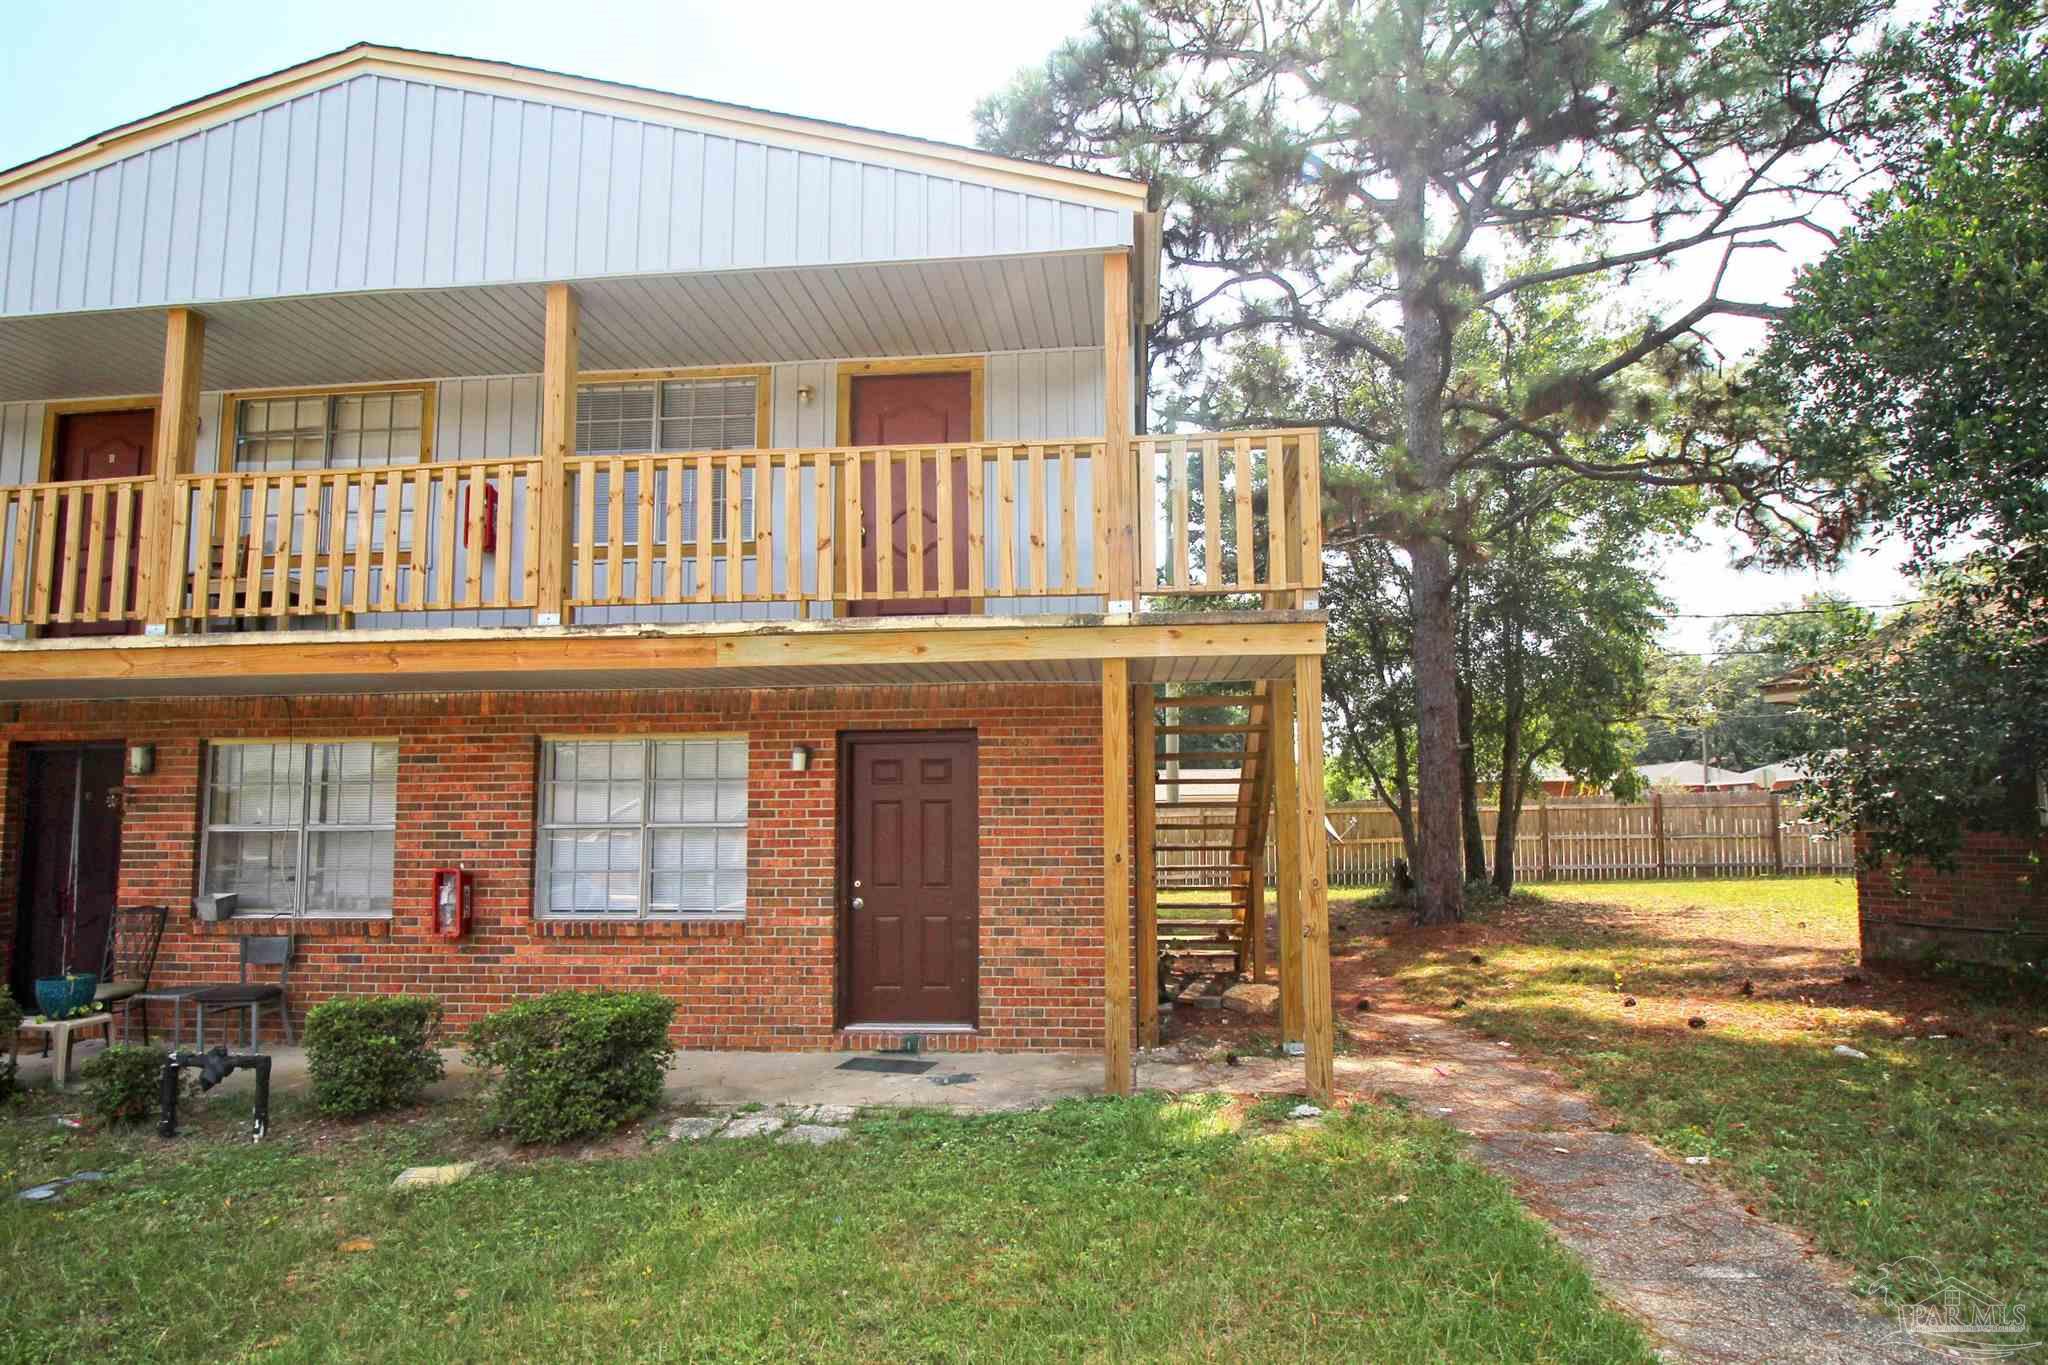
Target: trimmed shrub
x=10 y=1022
x=573 y=1064
x=371 y=1052
x=121 y=1084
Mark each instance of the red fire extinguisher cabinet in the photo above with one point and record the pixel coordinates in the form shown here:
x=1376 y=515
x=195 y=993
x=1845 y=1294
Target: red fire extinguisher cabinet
x=454 y=900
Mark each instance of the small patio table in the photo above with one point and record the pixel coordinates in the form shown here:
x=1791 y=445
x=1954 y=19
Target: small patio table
x=60 y=1031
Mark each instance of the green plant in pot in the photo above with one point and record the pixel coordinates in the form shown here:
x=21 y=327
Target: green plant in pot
x=61 y=997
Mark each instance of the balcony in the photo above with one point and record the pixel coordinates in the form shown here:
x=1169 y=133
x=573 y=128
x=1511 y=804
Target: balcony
x=707 y=545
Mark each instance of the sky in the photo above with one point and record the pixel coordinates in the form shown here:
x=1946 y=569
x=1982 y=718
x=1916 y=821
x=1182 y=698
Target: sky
x=907 y=66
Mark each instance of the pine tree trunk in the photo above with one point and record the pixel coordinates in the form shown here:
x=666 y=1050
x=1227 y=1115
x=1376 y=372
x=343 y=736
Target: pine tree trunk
x=1439 y=872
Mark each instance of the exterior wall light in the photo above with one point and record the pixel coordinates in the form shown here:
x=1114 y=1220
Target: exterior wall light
x=141 y=760
x=800 y=759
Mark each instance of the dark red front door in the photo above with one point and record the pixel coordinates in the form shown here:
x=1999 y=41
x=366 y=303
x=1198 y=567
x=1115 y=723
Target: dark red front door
x=71 y=861
x=911 y=878
x=912 y=410
x=102 y=445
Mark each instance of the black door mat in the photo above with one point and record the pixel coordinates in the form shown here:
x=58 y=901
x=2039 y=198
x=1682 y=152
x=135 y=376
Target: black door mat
x=901 y=1066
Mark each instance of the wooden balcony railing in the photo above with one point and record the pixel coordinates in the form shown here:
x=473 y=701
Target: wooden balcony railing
x=846 y=531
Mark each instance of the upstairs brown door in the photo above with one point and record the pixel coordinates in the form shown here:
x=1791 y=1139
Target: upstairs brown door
x=912 y=410
x=101 y=445
x=71 y=861
x=910 y=880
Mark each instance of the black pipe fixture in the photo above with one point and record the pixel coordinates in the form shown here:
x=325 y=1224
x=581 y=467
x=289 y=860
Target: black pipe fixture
x=214 y=1066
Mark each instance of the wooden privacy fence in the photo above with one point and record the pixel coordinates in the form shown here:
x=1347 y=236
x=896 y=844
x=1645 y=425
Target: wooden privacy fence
x=987 y=522
x=1714 y=835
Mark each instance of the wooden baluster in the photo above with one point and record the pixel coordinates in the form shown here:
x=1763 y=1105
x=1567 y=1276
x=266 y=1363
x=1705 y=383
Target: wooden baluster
x=1242 y=495
x=583 y=474
x=507 y=486
x=793 y=526
x=422 y=535
x=304 y=599
x=1177 y=492
x=764 y=528
x=90 y=602
x=1309 y=512
x=74 y=536
x=280 y=550
x=1146 y=510
x=702 y=489
x=1278 y=494
x=827 y=512
x=1070 y=524
x=259 y=545
x=943 y=486
x=1212 y=514
x=230 y=545
x=913 y=522
x=735 y=545
x=885 y=523
x=672 y=547
x=852 y=499
x=1036 y=496
x=477 y=481
x=445 y=538
x=1006 y=521
x=977 y=535
x=22 y=506
x=124 y=531
x=643 y=534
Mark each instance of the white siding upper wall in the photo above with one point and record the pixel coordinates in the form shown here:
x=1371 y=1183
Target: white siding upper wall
x=376 y=182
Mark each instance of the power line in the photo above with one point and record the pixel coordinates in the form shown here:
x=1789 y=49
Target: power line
x=1786 y=611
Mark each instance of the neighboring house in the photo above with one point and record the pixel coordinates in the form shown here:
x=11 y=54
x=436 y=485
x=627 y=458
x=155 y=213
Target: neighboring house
x=721 y=534
x=1991 y=907
x=1776 y=777
x=1688 y=775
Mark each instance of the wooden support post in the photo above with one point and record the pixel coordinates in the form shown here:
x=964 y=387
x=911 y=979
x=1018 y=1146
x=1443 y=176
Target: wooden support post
x=1261 y=836
x=1116 y=876
x=1287 y=847
x=160 y=594
x=1319 y=1026
x=1144 y=713
x=1118 y=484
x=557 y=444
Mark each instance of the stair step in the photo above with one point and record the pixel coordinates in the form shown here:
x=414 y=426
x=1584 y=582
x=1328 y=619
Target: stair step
x=1198 y=848
x=1212 y=699
x=1201 y=954
x=1209 y=730
x=1167 y=925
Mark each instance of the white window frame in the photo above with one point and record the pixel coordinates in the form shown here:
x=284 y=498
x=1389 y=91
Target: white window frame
x=302 y=827
x=658 y=380
x=546 y=825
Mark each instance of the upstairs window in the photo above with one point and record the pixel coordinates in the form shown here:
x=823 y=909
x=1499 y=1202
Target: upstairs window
x=669 y=417
x=357 y=429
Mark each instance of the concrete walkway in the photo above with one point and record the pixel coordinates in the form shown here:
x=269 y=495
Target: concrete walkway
x=962 y=1082
x=1709 y=1281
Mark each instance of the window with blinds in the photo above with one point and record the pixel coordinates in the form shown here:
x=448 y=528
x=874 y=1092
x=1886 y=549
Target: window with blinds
x=331 y=430
x=673 y=416
x=302 y=829
x=643 y=829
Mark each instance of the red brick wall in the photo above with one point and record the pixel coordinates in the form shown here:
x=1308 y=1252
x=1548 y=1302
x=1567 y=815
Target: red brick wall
x=466 y=773
x=1992 y=908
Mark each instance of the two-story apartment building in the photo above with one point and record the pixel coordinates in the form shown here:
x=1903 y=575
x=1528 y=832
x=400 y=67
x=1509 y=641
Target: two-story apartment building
x=724 y=535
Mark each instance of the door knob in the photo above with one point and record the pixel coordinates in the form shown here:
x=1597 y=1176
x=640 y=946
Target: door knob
x=858 y=903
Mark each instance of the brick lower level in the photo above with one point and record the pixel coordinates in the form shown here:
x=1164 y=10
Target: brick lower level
x=466 y=795
x=1993 y=907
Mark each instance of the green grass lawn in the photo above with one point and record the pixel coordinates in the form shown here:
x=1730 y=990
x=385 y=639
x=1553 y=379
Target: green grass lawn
x=1097 y=1230
x=1931 y=1147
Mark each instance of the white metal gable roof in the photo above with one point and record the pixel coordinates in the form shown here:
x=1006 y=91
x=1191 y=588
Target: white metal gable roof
x=381 y=169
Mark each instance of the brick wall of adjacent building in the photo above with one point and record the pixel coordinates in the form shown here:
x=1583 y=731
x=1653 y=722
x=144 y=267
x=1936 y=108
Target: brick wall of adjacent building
x=467 y=766
x=1993 y=907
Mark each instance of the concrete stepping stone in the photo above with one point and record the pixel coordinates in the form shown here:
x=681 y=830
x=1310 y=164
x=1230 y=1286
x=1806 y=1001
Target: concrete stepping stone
x=754 y=1125
x=693 y=1129
x=812 y=1135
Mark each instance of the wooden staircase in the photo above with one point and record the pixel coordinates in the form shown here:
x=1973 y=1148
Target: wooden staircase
x=1210 y=840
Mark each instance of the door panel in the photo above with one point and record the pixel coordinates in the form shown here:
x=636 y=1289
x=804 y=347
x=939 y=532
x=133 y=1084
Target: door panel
x=912 y=410
x=71 y=859
x=102 y=445
x=911 y=948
